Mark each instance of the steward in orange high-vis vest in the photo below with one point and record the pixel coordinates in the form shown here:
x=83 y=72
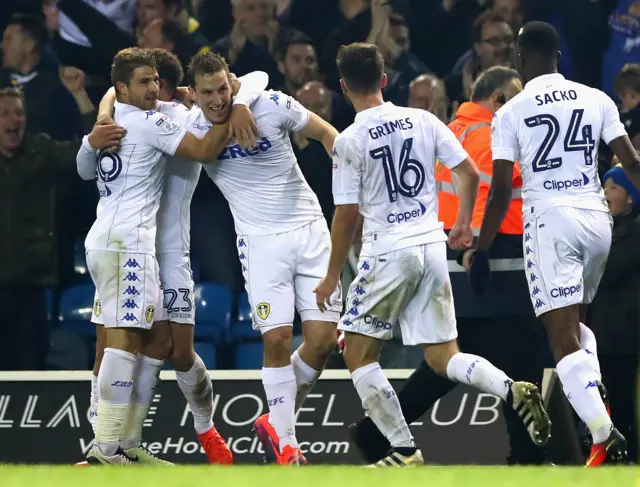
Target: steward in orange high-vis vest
x=472 y=127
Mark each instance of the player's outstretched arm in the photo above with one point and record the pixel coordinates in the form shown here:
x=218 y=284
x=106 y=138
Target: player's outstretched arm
x=105 y=109
x=323 y=132
x=627 y=155
x=207 y=149
x=87 y=161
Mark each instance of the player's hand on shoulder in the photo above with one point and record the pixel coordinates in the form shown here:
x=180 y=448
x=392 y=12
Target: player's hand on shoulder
x=243 y=127
x=460 y=237
x=106 y=135
x=72 y=79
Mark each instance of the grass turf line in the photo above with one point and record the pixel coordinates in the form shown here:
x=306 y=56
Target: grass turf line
x=317 y=476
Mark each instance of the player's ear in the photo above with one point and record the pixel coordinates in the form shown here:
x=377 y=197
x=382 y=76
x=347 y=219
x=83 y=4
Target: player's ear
x=121 y=88
x=383 y=80
x=343 y=86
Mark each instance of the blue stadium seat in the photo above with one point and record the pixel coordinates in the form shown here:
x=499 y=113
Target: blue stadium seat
x=207 y=353
x=213 y=311
x=248 y=356
x=67 y=351
x=76 y=304
x=244 y=308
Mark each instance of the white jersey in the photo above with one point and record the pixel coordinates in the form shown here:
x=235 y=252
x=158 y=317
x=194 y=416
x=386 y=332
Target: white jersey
x=264 y=186
x=553 y=128
x=130 y=181
x=385 y=162
x=180 y=181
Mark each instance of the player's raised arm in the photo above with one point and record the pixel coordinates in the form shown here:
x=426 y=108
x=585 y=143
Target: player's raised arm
x=615 y=135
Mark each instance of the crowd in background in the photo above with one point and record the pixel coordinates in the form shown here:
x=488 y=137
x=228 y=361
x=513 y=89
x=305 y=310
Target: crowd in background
x=433 y=50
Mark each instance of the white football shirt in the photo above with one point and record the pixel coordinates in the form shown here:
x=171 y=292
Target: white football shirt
x=553 y=128
x=130 y=182
x=264 y=186
x=385 y=162
x=180 y=181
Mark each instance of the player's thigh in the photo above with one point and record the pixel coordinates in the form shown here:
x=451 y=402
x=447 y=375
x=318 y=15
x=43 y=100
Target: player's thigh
x=596 y=241
x=383 y=287
x=429 y=316
x=313 y=242
x=178 y=288
x=553 y=259
x=267 y=267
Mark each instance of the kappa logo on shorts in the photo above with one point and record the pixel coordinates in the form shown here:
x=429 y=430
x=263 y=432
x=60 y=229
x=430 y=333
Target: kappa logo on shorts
x=263 y=310
x=149 y=313
x=97 y=308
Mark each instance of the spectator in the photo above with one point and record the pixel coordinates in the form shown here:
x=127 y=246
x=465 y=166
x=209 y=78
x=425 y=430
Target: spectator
x=159 y=33
x=511 y=11
x=34 y=170
x=493 y=44
x=319 y=18
x=312 y=157
x=428 y=92
x=50 y=107
x=389 y=31
x=627 y=88
x=174 y=11
x=614 y=314
x=298 y=63
x=624 y=25
x=251 y=44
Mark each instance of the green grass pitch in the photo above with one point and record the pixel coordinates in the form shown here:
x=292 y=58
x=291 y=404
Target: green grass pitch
x=317 y=476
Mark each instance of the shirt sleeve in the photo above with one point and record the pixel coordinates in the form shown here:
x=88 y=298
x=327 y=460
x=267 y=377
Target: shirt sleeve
x=449 y=150
x=612 y=127
x=285 y=111
x=347 y=173
x=162 y=132
x=251 y=87
x=87 y=160
x=504 y=140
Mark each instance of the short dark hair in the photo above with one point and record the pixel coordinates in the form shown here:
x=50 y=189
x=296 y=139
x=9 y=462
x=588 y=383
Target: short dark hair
x=127 y=61
x=179 y=5
x=169 y=67
x=628 y=78
x=488 y=17
x=34 y=27
x=539 y=38
x=11 y=92
x=292 y=38
x=206 y=63
x=490 y=81
x=361 y=66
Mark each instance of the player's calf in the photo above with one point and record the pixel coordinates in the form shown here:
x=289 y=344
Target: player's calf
x=379 y=400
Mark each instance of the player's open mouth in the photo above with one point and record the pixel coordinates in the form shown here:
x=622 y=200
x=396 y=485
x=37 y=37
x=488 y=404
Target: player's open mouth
x=13 y=131
x=218 y=109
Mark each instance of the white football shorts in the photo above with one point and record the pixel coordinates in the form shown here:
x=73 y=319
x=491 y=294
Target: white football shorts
x=409 y=287
x=282 y=270
x=128 y=293
x=565 y=252
x=177 y=285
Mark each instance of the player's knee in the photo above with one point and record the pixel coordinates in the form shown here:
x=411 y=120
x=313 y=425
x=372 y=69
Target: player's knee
x=323 y=346
x=360 y=350
x=182 y=357
x=160 y=348
x=438 y=356
x=277 y=346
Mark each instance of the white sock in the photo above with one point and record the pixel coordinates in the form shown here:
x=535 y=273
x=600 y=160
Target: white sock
x=146 y=378
x=95 y=400
x=115 y=383
x=590 y=345
x=306 y=377
x=467 y=368
x=579 y=383
x=280 y=387
x=381 y=404
x=196 y=386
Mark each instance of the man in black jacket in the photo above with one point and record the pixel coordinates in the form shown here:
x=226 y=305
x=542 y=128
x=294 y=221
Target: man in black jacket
x=33 y=167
